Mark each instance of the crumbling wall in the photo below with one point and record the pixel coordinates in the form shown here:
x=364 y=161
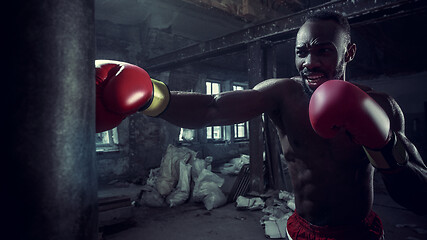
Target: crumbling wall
x=143 y=140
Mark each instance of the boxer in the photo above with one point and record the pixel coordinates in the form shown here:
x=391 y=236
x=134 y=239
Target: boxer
x=333 y=133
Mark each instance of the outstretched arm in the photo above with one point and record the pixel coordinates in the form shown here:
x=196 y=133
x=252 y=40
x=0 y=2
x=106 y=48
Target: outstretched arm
x=123 y=89
x=196 y=110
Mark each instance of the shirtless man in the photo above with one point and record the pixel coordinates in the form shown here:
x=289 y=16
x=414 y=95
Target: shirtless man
x=332 y=177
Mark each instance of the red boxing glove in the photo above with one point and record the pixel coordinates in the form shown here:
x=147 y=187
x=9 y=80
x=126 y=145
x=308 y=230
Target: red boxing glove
x=121 y=90
x=338 y=104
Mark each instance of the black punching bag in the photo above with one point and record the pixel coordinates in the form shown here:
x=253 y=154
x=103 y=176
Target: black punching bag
x=49 y=175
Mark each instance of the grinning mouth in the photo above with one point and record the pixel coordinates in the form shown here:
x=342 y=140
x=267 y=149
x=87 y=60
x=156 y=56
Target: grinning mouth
x=314 y=80
x=314 y=76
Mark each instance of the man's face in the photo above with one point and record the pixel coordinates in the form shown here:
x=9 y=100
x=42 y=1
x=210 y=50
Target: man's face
x=320 y=52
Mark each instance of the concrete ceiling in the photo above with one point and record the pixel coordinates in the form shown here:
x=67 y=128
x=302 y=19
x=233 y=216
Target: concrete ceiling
x=198 y=20
x=203 y=20
x=178 y=17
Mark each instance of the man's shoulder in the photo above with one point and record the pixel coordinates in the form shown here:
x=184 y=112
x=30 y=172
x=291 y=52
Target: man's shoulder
x=280 y=89
x=377 y=95
x=388 y=103
x=277 y=91
x=281 y=82
x=365 y=88
x=292 y=80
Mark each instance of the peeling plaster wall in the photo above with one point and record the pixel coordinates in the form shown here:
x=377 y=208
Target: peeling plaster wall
x=148 y=140
x=116 y=165
x=143 y=140
x=118 y=41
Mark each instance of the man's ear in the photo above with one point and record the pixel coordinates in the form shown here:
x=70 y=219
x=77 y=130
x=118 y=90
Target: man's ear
x=351 y=52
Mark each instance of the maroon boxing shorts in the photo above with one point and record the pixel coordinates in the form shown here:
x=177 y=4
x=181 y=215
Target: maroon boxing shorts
x=370 y=228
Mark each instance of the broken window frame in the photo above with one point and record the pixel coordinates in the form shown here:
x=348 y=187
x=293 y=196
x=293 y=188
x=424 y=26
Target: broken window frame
x=107 y=141
x=214 y=133
x=186 y=131
x=244 y=125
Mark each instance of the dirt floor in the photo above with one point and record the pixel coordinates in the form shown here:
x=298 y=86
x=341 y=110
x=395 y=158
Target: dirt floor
x=192 y=221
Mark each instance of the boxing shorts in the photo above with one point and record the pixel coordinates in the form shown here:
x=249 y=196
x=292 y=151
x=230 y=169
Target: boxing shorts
x=369 y=228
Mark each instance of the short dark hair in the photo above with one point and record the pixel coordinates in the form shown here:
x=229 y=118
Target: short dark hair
x=333 y=16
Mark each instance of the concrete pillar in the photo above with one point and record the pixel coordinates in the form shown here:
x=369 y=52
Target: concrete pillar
x=272 y=142
x=49 y=180
x=256 y=141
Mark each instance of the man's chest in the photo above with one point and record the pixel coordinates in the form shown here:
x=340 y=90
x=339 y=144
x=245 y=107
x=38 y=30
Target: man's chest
x=300 y=141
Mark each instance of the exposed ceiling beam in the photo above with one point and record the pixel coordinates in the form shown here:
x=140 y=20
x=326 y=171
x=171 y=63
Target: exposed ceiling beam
x=252 y=11
x=229 y=6
x=357 y=11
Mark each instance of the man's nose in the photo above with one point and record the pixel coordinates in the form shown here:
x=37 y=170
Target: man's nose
x=311 y=62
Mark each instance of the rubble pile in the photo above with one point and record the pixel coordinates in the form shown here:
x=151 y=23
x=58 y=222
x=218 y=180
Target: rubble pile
x=181 y=177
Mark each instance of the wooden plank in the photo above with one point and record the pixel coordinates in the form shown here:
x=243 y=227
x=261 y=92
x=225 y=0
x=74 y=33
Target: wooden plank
x=109 y=203
x=241 y=184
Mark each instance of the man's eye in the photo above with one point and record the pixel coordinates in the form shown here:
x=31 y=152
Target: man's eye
x=325 y=50
x=301 y=53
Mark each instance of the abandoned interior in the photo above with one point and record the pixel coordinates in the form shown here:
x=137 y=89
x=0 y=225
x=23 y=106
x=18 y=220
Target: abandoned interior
x=200 y=46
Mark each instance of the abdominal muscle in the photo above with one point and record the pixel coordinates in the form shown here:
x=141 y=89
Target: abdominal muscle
x=332 y=178
x=331 y=187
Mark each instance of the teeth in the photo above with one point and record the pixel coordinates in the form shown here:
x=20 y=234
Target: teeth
x=314 y=77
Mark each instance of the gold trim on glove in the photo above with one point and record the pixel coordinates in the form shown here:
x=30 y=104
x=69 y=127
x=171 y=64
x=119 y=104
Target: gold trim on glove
x=160 y=99
x=392 y=156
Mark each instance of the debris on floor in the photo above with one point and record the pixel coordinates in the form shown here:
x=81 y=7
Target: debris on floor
x=289 y=198
x=277 y=214
x=234 y=165
x=207 y=190
x=255 y=203
x=182 y=189
x=182 y=177
x=151 y=197
x=276 y=228
x=241 y=184
x=170 y=168
x=277 y=206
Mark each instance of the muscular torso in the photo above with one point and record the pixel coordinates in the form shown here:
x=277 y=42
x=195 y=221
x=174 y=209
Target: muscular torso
x=332 y=179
